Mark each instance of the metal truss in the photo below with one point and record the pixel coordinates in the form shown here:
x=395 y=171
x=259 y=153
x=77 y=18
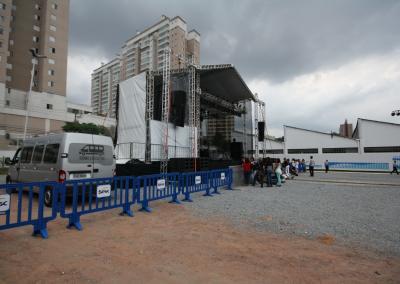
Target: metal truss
x=149 y=112
x=165 y=110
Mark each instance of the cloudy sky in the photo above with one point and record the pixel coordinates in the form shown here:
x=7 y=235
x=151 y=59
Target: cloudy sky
x=314 y=63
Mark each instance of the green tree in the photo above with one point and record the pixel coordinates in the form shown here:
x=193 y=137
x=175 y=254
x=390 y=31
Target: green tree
x=89 y=128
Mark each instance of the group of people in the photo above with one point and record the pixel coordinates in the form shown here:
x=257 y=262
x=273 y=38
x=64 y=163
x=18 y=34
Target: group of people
x=274 y=171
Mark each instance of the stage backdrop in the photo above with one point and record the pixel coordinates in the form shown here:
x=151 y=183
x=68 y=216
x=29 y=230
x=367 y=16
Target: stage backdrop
x=132 y=126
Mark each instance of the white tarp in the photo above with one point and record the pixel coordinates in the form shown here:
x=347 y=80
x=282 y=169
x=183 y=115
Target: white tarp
x=132 y=126
x=178 y=140
x=131 y=115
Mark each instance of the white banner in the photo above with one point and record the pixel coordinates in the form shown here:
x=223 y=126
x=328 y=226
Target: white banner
x=103 y=190
x=160 y=183
x=222 y=176
x=198 y=180
x=4 y=202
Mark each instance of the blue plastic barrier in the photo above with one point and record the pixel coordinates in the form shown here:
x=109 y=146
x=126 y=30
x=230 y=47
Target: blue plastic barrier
x=94 y=195
x=158 y=186
x=221 y=178
x=22 y=204
x=360 y=166
x=195 y=182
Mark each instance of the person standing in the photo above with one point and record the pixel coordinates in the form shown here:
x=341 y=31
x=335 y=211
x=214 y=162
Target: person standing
x=326 y=166
x=278 y=173
x=395 y=170
x=269 y=170
x=311 y=166
x=246 y=171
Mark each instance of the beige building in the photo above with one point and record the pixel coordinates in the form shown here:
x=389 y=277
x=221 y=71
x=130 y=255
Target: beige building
x=41 y=25
x=143 y=52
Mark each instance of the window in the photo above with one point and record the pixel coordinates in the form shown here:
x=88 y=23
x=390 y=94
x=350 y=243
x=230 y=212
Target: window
x=37 y=6
x=385 y=149
x=37 y=50
x=1 y=30
x=8 y=78
x=50 y=84
x=52 y=50
x=7 y=103
x=11 y=42
x=340 y=150
x=53 y=28
x=303 y=151
x=1 y=44
x=50 y=72
x=35 y=73
x=9 y=66
x=35 y=39
x=3 y=6
x=54 y=6
x=36 y=28
x=51 y=153
x=273 y=151
x=37 y=154
x=26 y=155
x=52 y=39
x=53 y=17
x=13 y=7
x=2 y=19
x=36 y=17
x=49 y=106
x=51 y=61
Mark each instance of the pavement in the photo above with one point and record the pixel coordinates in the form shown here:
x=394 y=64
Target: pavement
x=352 y=178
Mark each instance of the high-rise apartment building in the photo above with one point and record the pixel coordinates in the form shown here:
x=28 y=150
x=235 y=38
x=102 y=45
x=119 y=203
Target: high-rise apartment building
x=41 y=25
x=104 y=87
x=346 y=129
x=143 y=52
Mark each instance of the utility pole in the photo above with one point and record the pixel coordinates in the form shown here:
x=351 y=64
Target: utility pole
x=35 y=58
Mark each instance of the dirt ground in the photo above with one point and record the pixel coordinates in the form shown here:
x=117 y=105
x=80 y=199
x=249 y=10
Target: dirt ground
x=172 y=246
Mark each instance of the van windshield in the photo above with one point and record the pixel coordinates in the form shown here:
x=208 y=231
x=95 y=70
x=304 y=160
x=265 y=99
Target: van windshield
x=88 y=153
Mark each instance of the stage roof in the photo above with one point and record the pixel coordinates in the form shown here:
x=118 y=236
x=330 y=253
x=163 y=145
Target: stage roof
x=225 y=82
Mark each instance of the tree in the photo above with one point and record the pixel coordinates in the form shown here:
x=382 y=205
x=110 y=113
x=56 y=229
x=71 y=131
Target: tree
x=89 y=128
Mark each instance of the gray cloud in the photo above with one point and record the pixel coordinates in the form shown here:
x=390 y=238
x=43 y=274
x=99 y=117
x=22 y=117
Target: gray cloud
x=276 y=40
x=273 y=41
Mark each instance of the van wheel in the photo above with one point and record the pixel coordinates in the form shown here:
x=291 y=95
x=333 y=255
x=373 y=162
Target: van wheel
x=48 y=197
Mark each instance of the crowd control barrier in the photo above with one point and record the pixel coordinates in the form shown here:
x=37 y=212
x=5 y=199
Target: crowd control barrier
x=23 y=204
x=158 y=186
x=94 y=195
x=221 y=178
x=195 y=182
x=16 y=211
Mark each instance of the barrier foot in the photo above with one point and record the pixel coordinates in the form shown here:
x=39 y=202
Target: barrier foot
x=77 y=225
x=146 y=209
x=43 y=233
x=216 y=191
x=207 y=194
x=175 y=200
x=187 y=199
x=128 y=212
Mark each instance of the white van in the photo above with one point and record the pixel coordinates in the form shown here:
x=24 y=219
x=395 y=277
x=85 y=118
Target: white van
x=60 y=157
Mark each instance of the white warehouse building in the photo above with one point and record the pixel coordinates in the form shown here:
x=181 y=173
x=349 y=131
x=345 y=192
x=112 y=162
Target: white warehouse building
x=373 y=146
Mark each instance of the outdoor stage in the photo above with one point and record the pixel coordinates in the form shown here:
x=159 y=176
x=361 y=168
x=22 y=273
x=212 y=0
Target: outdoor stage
x=153 y=126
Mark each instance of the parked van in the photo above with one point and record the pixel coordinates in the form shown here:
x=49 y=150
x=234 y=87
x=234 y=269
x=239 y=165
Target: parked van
x=61 y=157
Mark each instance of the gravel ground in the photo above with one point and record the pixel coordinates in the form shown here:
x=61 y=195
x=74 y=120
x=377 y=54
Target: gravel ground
x=365 y=217
x=352 y=176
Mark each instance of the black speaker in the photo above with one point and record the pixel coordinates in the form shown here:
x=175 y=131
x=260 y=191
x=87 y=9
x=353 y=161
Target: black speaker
x=177 y=116
x=236 y=151
x=261 y=130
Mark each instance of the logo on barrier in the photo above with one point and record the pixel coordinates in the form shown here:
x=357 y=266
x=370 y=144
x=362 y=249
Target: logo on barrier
x=160 y=183
x=103 y=190
x=222 y=176
x=4 y=203
x=197 y=180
